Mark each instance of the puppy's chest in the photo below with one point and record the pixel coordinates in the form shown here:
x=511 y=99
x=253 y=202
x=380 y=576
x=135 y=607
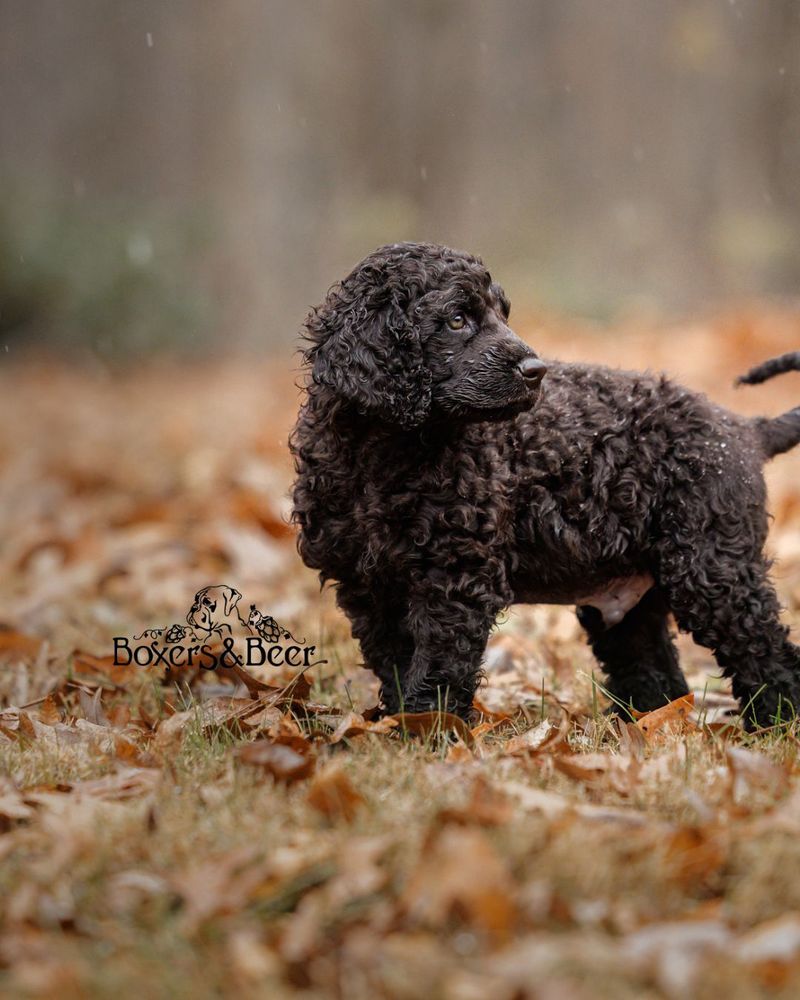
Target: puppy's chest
x=466 y=506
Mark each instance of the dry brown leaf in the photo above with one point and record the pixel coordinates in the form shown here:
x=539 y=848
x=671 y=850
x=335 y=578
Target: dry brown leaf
x=220 y=885
x=261 y=717
x=461 y=876
x=775 y=941
x=496 y=714
x=253 y=684
x=426 y=724
x=358 y=875
x=129 y=752
x=88 y=666
x=125 y=783
x=487 y=806
x=246 y=505
x=674 y=716
x=119 y=716
x=671 y=953
x=589 y=768
x=287 y=732
x=99 y=738
x=754 y=772
x=601 y=770
x=48 y=713
x=12 y=805
x=695 y=854
x=459 y=754
x=331 y=793
x=354 y=724
x=224 y=711
x=91 y=706
x=296 y=691
x=215 y=713
x=18 y=644
x=553 y=805
x=632 y=740
x=279 y=760
x=545 y=736
x=169 y=732
x=251 y=961
x=26 y=726
x=479 y=731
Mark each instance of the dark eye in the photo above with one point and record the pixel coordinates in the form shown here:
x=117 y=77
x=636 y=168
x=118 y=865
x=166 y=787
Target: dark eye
x=457 y=321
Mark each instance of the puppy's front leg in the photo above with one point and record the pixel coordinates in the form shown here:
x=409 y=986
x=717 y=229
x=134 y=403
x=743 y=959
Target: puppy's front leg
x=377 y=621
x=449 y=621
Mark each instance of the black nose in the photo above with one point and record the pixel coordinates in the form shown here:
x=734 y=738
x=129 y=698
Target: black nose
x=533 y=370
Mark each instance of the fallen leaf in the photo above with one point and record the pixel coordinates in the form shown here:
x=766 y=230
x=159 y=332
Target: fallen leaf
x=358 y=875
x=632 y=740
x=487 y=806
x=14 y=643
x=169 y=731
x=354 y=724
x=331 y=793
x=426 y=724
x=87 y=665
x=253 y=684
x=598 y=769
x=775 y=940
x=553 y=805
x=26 y=726
x=545 y=736
x=287 y=732
x=282 y=762
x=250 y=959
x=219 y=885
x=261 y=717
x=126 y=783
x=459 y=754
x=92 y=707
x=695 y=854
x=48 y=713
x=674 y=716
x=12 y=805
x=671 y=953
x=460 y=875
x=497 y=714
x=754 y=772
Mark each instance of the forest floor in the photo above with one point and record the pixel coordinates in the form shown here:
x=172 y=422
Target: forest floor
x=187 y=834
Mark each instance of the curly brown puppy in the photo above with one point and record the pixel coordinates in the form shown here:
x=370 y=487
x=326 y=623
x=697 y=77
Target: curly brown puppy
x=444 y=472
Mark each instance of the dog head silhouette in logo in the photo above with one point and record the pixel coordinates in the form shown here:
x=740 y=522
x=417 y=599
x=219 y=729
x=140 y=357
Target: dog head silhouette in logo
x=214 y=610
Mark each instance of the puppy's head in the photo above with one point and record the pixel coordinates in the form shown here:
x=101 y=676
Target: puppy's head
x=417 y=330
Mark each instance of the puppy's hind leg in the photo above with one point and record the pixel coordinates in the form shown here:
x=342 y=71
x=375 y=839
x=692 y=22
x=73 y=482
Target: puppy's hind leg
x=730 y=607
x=638 y=654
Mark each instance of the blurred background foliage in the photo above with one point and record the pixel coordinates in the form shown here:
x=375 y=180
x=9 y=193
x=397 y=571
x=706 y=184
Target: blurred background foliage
x=190 y=176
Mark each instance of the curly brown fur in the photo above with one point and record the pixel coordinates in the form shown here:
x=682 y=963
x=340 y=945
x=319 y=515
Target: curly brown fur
x=440 y=479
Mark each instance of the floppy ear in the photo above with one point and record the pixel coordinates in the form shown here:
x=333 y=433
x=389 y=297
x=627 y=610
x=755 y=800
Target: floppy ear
x=373 y=357
x=231 y=598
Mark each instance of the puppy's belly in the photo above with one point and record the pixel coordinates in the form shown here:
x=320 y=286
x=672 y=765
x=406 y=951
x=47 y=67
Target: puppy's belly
x=617 y=598
x=613 y=599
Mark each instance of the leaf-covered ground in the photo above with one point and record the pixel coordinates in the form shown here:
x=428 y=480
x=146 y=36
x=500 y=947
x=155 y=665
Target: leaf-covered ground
x=194 y=835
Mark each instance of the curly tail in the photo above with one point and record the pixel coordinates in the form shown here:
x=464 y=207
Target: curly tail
x=778 y=434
